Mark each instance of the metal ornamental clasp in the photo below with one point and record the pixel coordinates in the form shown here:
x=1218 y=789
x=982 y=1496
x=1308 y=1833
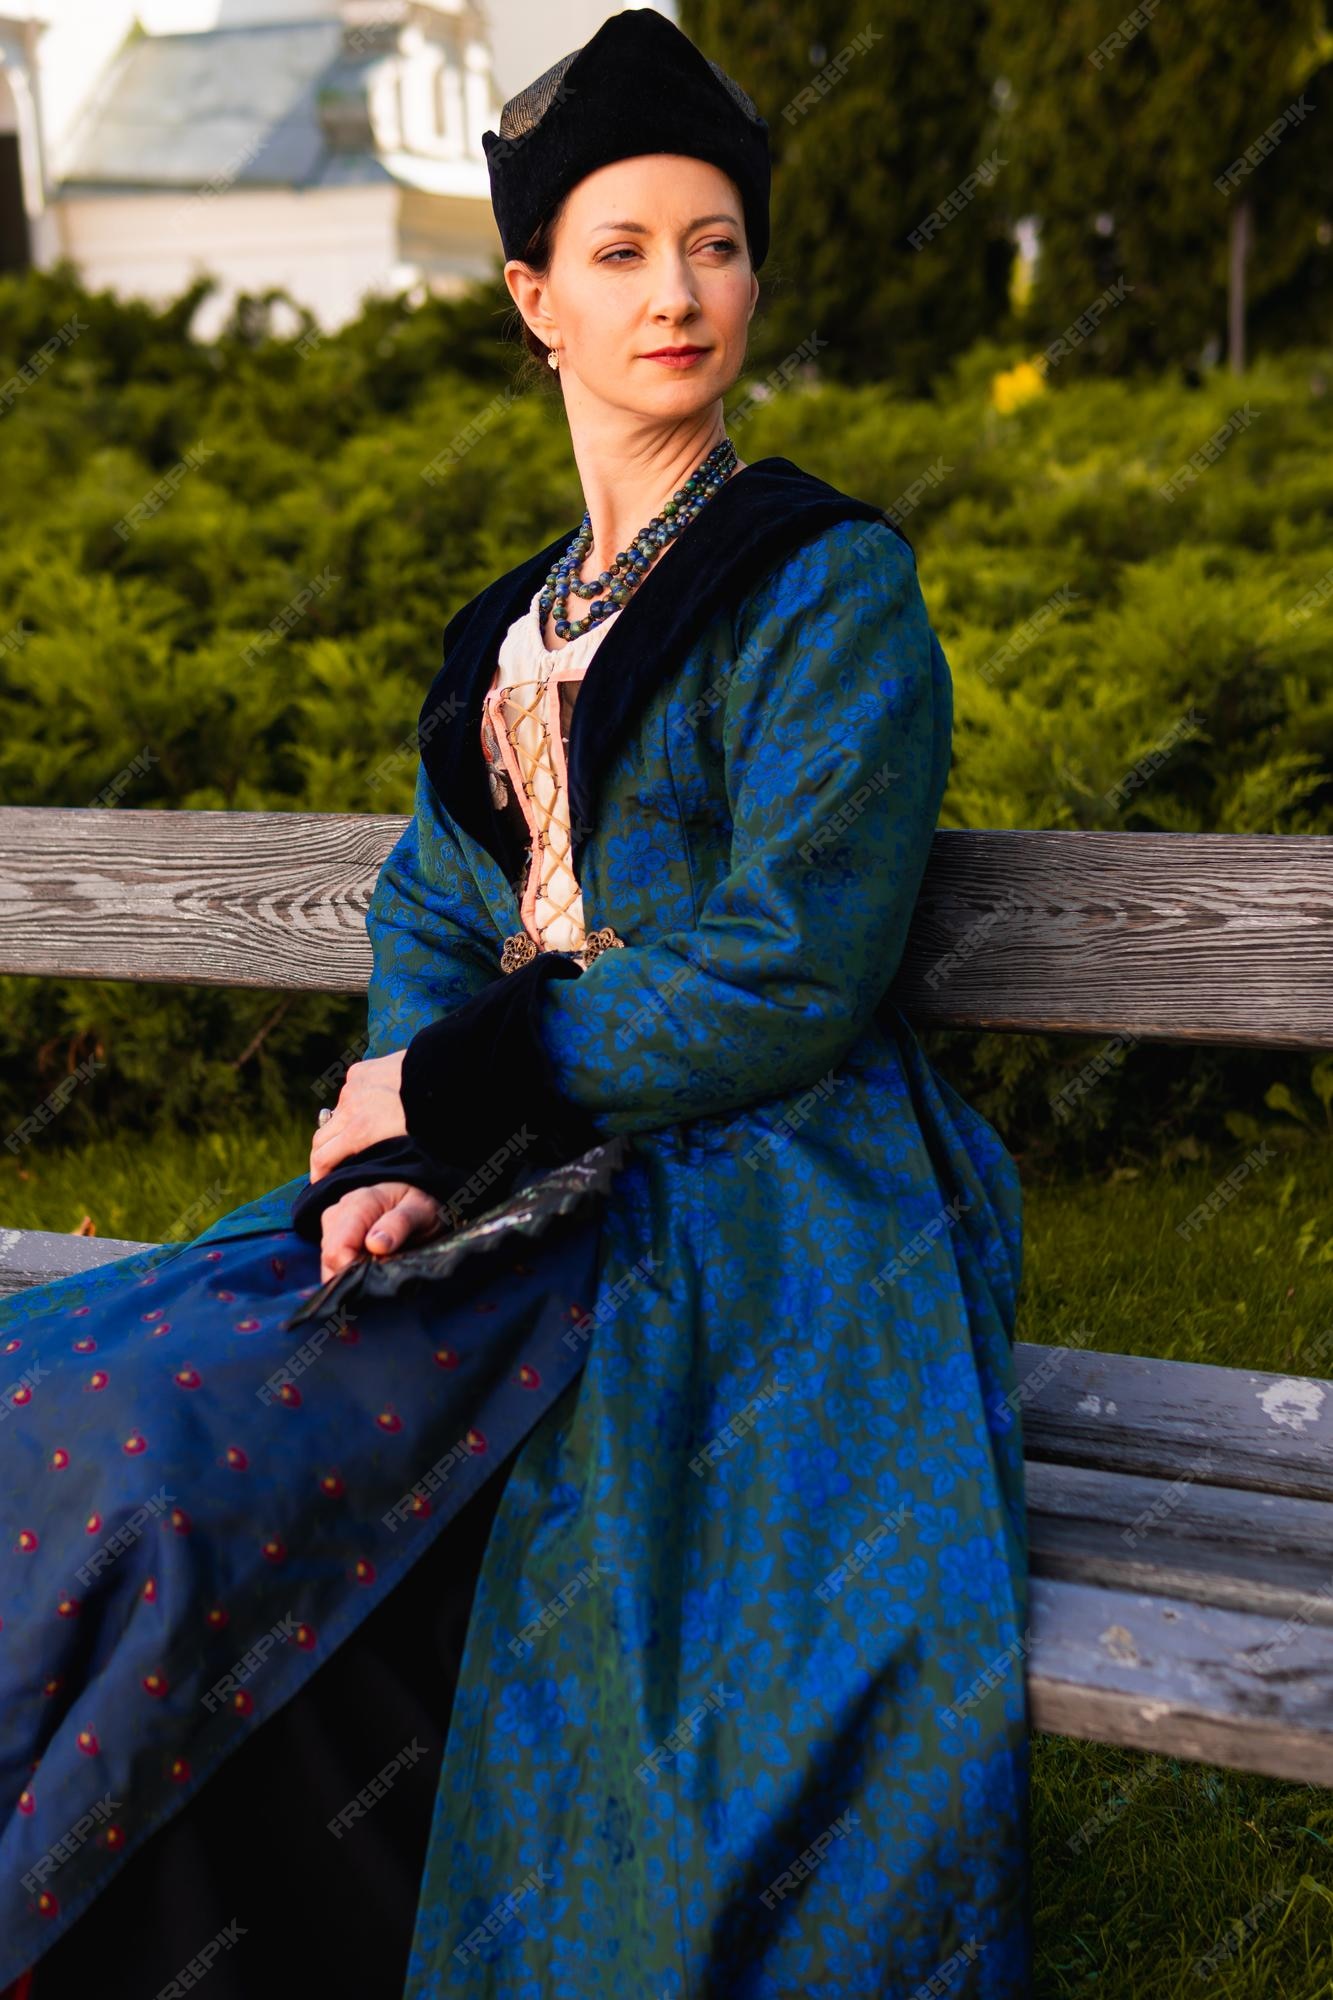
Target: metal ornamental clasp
x=518 y=950
x=600 y=941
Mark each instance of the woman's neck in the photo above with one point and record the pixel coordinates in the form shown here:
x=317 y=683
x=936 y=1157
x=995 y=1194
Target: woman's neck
x=624 y=488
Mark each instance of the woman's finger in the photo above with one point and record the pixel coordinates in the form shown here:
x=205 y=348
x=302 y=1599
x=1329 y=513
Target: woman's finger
x=347 y=1223
x=414 y=1213
x=343 y=1228
x=323 y=1145
x=338 y=1140
x=361 y=1120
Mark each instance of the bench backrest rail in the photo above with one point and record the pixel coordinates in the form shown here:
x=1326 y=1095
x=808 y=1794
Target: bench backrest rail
x=1178 y=937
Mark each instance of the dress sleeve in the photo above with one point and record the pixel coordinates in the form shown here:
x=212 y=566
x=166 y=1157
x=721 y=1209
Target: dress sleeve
x=433 y=947
x=837 y=717
x=432 y=941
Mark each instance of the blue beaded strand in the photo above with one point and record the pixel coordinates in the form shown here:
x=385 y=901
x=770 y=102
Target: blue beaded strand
x=631 y=565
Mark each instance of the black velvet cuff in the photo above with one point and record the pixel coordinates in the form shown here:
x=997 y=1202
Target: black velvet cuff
x=477 y=1088
x=398 y=1159
x=483 y=1113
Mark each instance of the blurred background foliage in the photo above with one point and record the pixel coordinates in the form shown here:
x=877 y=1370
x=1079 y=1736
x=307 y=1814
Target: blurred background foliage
x=1173 y=656
x=1102 y=130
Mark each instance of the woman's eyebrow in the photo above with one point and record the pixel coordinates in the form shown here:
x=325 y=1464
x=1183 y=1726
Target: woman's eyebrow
x=640 y=229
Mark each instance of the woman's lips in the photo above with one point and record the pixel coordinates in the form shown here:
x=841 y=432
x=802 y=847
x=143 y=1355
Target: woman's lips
x=681 y=358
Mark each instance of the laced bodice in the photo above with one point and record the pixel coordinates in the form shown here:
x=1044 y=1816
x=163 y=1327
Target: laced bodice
x=524 y=734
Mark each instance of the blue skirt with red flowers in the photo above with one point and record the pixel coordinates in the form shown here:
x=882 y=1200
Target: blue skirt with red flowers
x=202 y=1506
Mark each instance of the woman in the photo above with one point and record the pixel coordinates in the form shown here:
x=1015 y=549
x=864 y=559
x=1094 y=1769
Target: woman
x=738 y=1706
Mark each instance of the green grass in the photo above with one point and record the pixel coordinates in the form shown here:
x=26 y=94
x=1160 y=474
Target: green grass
x=1181 y=1851
x=131 y=1188
x=1251 y=1288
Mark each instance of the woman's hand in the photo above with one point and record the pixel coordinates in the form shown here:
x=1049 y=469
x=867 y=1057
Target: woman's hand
x=380 y=1218
x=369 y=1109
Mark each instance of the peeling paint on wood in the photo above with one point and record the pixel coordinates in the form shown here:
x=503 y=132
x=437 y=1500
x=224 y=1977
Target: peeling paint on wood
x=1292 y=1401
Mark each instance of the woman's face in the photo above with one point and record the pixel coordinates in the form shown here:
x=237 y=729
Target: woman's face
x=650 y=253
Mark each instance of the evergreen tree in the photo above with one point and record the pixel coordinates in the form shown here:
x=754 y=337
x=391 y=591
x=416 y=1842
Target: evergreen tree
x=1138 y=141
x=872 y=127
x=1291 y=262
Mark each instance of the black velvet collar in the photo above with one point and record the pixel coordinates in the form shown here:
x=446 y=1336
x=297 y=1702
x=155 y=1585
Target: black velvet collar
x=764 y=512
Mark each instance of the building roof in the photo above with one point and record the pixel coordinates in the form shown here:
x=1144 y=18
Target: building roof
x=230 y=107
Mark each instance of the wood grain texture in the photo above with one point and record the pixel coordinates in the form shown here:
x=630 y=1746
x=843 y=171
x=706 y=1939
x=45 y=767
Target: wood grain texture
x=1183 y=1538
x=1179 y=937
x=275 y=900
x=1186 y=1680
x=1268 y=1433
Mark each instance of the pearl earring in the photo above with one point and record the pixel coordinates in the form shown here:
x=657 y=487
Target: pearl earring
x=553 y=359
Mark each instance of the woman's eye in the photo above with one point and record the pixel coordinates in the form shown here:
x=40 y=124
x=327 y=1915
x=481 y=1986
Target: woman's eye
x=713 y=243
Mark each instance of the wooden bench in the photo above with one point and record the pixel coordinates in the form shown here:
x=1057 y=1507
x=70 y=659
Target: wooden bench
x=1181 y=1516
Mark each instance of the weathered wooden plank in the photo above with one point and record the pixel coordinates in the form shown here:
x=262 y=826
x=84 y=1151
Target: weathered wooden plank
x=36 y=1256
x=1131 y=1413
x=1190 y=937
x=1197 y=1681
x=1185 y=937
x=267 y=899
x=1183 y=1537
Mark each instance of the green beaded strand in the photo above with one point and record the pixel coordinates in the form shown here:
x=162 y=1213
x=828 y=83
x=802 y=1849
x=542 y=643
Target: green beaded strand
x=631 y=566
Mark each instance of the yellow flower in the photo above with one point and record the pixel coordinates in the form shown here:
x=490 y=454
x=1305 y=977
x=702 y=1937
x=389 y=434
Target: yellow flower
x=1015 y=386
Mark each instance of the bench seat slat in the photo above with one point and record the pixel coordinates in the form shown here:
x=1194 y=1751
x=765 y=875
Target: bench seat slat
x=1132 y=1413
x=1213 y=1544
x=1158 y=1673
x=36 y=1256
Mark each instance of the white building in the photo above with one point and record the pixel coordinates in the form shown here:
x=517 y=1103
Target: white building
x=328 y=147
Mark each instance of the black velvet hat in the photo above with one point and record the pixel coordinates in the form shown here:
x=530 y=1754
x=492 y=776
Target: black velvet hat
x=639 y=86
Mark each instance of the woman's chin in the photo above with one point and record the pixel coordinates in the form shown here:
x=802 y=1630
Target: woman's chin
x=680 y=390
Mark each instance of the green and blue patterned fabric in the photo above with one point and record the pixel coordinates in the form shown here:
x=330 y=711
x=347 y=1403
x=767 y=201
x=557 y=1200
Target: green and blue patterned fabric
x=742 y=1711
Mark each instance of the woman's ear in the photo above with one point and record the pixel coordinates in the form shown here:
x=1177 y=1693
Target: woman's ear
x=526 y=289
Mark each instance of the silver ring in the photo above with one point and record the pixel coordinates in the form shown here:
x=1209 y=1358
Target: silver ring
x=325 y=1115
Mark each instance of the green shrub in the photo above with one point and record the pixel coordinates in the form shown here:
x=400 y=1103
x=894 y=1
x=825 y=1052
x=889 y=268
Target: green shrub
x=1157 y=621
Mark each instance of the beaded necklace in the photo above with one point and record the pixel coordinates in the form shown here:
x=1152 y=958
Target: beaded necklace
x=631 y=566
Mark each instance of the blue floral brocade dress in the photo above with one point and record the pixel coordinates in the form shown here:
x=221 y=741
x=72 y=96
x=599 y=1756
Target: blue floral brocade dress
x=757 y=1531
